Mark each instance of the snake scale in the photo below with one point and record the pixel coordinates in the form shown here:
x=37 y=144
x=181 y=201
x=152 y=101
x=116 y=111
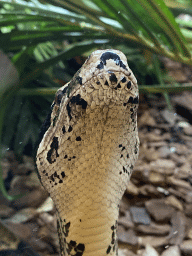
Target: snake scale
x=88 y=151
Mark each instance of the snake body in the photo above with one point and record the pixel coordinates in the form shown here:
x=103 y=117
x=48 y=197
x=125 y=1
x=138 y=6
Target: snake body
x=88 y=151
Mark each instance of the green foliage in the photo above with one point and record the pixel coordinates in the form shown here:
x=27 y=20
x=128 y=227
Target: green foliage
x=41 y=36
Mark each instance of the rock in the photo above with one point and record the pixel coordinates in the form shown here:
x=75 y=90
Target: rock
x=128 y=237
x=149 y=251
x=169 y=116
x=154 y=241
x=164 y=152
x=46 y=206
x=186 y=247
x=23 y=215
x=140 y=215
x=154 y=229
x=132 y=189
x=124 y=205
x=188 y=210
x=188 y=197
x=172 y=251
x=164 y=166
x=148 y=189
x=5 y=211
x=125 y=252
x=156 y=178
x=32 y=199
x=159 y=210
x=150 y=154
x=20 y=230
x=188 y=129
x=33 y=181
x=177 y=232
x=173 y=201
x=176 y=182
x=126 y=220
x=146 y=119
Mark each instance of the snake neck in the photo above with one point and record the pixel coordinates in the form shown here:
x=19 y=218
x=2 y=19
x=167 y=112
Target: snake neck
x=89 y=231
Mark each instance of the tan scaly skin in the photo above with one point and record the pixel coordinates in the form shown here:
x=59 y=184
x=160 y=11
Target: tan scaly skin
x=88 y=151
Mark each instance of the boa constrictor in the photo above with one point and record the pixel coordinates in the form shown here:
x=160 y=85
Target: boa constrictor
x=88 y=151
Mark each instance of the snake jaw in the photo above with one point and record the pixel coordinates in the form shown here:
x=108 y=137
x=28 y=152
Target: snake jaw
x=87 y=154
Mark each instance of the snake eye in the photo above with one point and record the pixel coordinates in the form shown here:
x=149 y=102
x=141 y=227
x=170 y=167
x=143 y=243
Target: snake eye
x=58 y=97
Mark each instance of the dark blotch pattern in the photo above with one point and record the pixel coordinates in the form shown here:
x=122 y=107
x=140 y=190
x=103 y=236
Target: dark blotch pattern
x=78 y=248
x=129 y=85
x=78 y=101
x=110 y=55
x=79 y=79
x=123 y=80
x=54 y=149
x=70 y=128
x=63 y=129
x=58 y=97
x=113 y=78
x=132 y=101
x=113 y=244
x=55 y=178
x=78 y=138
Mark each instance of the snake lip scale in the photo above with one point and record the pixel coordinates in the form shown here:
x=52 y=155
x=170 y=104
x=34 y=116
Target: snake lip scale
x=88 y=151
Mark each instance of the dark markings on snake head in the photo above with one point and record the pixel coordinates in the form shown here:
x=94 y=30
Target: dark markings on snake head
x=120 y=173
x=79 y=79
x=123 y=80
x=106 y=82
x=108 y=249
x=121 y=156
x=136 y=149
x=127 y=155
x=63 y=174
x=65 y=156
x=113 y=244
x=65 y=90
x=53 y=152
x=66 y=228
x=79 y=249
x=110 y=55
x=78 y=101
x=58 y=97
x=70 y=128
x=78 y=138
x=125 y=170
x=97 y=82
x=132 y=101
x=118 y=86
x=129 y=85
x=63 y=129
x=120 y=145
x=123 y=148
x=113 y=78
